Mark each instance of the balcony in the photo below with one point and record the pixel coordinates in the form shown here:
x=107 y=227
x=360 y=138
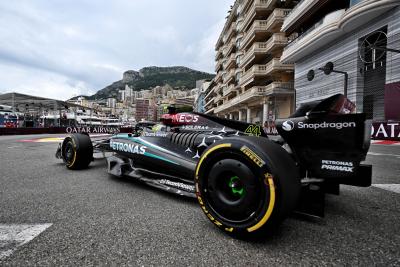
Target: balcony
x=264 y=70
x=209 y=111
x=218 y=77
x=225 y=50
x=246 y=4
x=335 y=25
x=257 y=6
x=218 y=66
x=265 y=27
x=219 y=42
x=230 y=62
x=229 y=76
x=228 y=90
x=218 y=55
x=277 y=41
x=230 y=33
x=209 y=103
x=212 y=92
x=230 y=47
x=217 y=99
x=254 y=94
x=297 y=12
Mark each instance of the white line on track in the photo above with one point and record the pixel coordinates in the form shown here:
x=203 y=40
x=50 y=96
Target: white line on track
x=389 y=187
x=11 y=147
x=383 y=154
x=13 y=236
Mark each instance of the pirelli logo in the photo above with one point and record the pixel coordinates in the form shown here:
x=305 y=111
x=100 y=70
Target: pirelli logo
x=253 y=156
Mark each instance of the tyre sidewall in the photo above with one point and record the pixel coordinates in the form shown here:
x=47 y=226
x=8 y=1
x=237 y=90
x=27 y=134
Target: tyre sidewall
x=83 y=149
x=263 y=167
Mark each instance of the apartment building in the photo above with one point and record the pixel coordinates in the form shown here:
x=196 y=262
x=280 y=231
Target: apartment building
x=145 y=110
x=361 y=38
x=251 y=83
x=199 y=104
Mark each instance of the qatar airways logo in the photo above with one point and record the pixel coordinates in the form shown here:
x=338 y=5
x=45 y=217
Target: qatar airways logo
x=290 y=125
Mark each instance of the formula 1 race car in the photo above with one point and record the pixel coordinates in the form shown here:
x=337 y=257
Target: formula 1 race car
x=244 y=182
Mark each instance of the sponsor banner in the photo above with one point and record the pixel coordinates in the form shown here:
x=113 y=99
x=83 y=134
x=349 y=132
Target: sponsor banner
x=386 y=130
x=380 y=130
x=63 y=130
x=290 y=125
x=392 y=96
x=127 y=147
x=93 y=129
x=341 y=166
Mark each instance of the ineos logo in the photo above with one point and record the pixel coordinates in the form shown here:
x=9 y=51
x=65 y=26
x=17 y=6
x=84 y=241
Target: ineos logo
x=288 y=126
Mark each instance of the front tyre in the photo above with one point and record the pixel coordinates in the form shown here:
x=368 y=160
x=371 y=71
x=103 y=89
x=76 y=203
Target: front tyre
x=246 y=185
x=77 y=151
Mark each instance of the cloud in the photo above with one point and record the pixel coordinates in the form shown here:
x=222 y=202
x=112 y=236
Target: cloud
x=63 y=48
x=41 y=83
x=204 y=52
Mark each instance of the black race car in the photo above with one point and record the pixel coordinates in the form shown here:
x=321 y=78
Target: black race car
x=244 y=182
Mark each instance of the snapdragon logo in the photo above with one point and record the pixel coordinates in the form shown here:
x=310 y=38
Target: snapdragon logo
x=288 y=125
x=130 y=148
x=323 y=125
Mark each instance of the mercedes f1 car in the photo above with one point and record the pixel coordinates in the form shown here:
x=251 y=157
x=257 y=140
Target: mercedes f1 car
x=243 y=181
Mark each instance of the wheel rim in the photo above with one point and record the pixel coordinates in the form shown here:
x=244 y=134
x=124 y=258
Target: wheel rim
x=235 y=193
x=69 y=152
x=236 y=186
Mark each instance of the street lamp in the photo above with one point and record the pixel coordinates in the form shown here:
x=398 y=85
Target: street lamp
x=328 y=69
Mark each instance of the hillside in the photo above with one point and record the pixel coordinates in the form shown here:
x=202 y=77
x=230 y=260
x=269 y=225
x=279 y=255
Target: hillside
x=177 y=77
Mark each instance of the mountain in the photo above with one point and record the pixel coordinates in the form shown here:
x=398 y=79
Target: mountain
x=177 y=77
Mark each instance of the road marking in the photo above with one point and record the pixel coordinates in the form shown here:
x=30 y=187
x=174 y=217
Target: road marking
x=11 y=147
x=385 y=142
x=389 y=187
x=43 y=140
x=13 y=236
x=383 y=154
x=56 y=139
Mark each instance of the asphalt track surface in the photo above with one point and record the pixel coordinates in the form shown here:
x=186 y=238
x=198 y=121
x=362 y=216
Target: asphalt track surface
x=97 y=219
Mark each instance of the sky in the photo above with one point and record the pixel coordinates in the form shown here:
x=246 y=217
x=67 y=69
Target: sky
x=64 y=48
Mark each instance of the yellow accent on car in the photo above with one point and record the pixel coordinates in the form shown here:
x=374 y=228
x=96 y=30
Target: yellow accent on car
x=207 y=153
x=252 y=155
x=73 y=160
x=271 y=204
x=253 y=130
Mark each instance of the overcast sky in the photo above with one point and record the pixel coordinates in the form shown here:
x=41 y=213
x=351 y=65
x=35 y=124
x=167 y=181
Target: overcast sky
x=63 y=48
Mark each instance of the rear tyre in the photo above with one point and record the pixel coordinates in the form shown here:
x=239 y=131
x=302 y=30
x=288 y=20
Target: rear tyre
x=77 y=151
x=246 y=185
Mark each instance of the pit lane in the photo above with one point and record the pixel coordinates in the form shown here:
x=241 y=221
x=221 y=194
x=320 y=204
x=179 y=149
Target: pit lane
x=97 y=219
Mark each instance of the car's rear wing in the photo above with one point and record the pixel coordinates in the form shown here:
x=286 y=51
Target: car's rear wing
x=329 y=144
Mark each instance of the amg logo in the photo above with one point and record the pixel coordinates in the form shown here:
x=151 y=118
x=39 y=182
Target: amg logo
x=342 y=166
x=177 y=185
x=322 y=125
x=130 y=148
x=253 y=156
